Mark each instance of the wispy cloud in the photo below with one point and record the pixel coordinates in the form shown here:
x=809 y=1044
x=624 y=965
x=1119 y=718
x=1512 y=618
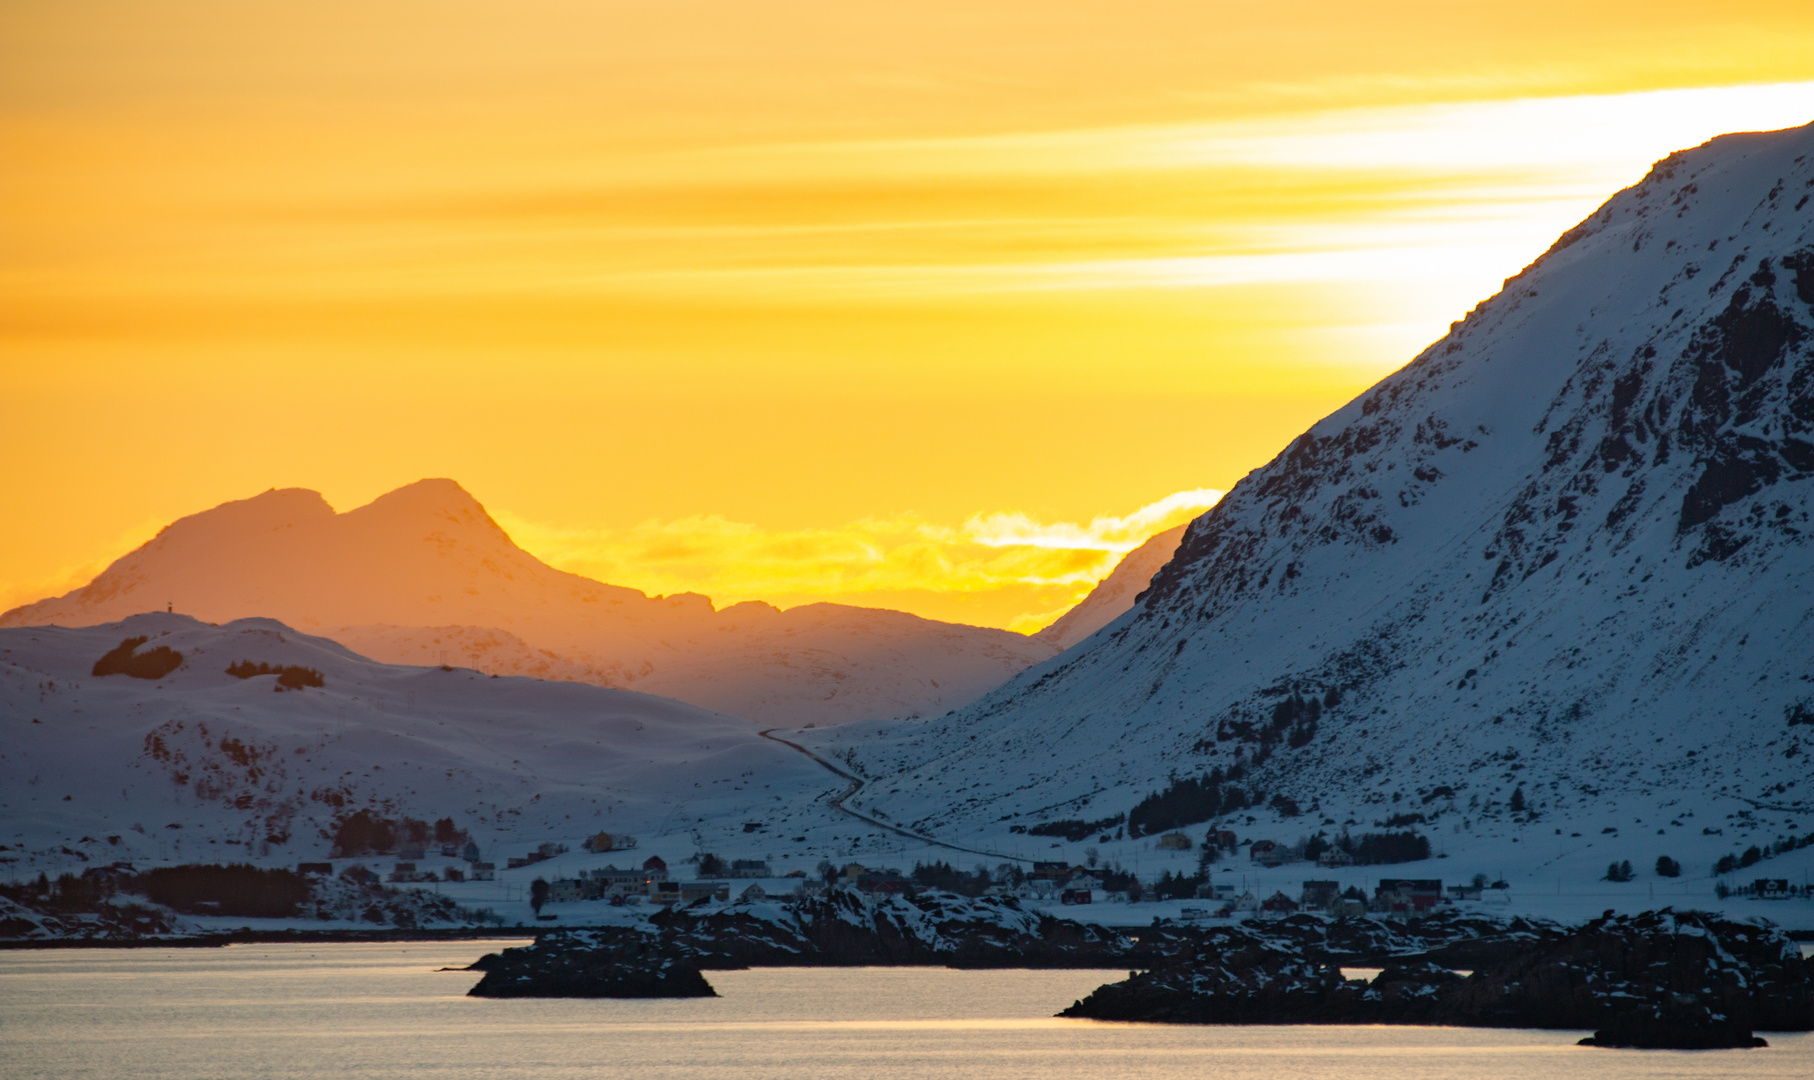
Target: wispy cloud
x=1007 y=568
x=1114 y=534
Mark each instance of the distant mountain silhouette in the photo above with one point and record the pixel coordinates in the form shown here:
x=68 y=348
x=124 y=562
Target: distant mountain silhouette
x=1115 y=594
x=424 y=575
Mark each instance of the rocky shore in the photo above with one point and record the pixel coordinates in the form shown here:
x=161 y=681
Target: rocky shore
x=628 y=965
x=844 y=928
x=1685 y=980
x=1680 y=980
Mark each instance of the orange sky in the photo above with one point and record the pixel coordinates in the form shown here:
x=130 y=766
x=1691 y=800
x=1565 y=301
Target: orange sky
x=785 y=300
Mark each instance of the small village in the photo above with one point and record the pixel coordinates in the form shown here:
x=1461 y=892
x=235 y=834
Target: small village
x=1219 y=877
x=1217 y=891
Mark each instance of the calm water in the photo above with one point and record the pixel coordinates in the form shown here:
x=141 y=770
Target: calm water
x=383 y=1010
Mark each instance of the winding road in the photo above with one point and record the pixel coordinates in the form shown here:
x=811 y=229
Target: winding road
x=856 y=785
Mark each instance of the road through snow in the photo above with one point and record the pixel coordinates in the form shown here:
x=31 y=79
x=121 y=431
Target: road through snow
x=856 y=785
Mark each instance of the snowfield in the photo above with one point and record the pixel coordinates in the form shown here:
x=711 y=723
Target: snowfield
x=201 y=766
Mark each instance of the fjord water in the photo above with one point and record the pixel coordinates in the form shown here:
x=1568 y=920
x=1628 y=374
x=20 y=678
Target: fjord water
x=299 y=1012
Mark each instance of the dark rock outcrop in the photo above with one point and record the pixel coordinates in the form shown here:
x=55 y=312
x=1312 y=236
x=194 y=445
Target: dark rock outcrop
x=838 y=929
x=842 y=927
x=847 y=929
x=1258 y=983
x=631 y=965
x=1660 y=979
x=1269 y=984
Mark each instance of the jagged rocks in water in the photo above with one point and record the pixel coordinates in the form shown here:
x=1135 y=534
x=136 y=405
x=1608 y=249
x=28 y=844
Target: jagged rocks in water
x=844 y=928
x=1256 y=983
x=839 y=929
x=563 y=965
x=1674 y=1025
x=1661 y=979
x=1270 y=985
x=1409 y=992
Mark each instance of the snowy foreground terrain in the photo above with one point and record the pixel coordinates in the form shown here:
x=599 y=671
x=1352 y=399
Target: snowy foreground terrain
x=203 y=766
x=1541 y=598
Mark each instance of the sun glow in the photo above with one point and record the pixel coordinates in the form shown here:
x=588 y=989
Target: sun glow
x=1004 y=569
x=808 y=285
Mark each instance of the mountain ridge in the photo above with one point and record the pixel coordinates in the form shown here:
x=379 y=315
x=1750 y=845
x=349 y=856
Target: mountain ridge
x=1564 y=552
x=424 y=574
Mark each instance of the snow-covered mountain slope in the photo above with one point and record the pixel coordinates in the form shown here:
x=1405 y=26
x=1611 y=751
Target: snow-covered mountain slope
x=1568 y=550
x=201 y=765
x=1114 y=594
x=424 y=575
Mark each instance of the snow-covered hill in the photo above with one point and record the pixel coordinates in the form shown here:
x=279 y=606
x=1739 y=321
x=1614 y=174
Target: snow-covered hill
x=424 y=575
x=1563 y=560
x=200 y=765
x=1114 y=594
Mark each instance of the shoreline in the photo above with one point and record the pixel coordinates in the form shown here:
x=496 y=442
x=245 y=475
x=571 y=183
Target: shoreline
x=277 y=937
x=496 y=933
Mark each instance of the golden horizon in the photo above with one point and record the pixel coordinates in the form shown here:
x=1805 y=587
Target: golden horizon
x=682 y=288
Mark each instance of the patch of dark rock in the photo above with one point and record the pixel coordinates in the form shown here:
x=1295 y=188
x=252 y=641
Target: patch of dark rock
x=1733 y=474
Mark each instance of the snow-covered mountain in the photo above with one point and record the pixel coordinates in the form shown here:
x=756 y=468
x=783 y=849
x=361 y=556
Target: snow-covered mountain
x=1549 y=585
x=423 y=575
x=202 y=765
x=1114 y=594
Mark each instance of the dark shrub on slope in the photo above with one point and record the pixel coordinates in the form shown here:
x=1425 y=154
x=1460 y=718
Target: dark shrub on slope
x=362 y=832
x=293 y=677
x=1379 y=848
x=1189 y=801
x=239 y=890
x=1075 y=829
x=150 y=664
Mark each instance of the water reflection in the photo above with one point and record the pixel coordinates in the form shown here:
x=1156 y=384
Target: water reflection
x=369 y=1010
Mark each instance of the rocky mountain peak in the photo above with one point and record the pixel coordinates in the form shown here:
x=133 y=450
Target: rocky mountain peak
x=1568 y=545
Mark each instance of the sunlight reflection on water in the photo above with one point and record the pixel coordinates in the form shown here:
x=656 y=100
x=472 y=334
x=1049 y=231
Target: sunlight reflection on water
x=307 y=1012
